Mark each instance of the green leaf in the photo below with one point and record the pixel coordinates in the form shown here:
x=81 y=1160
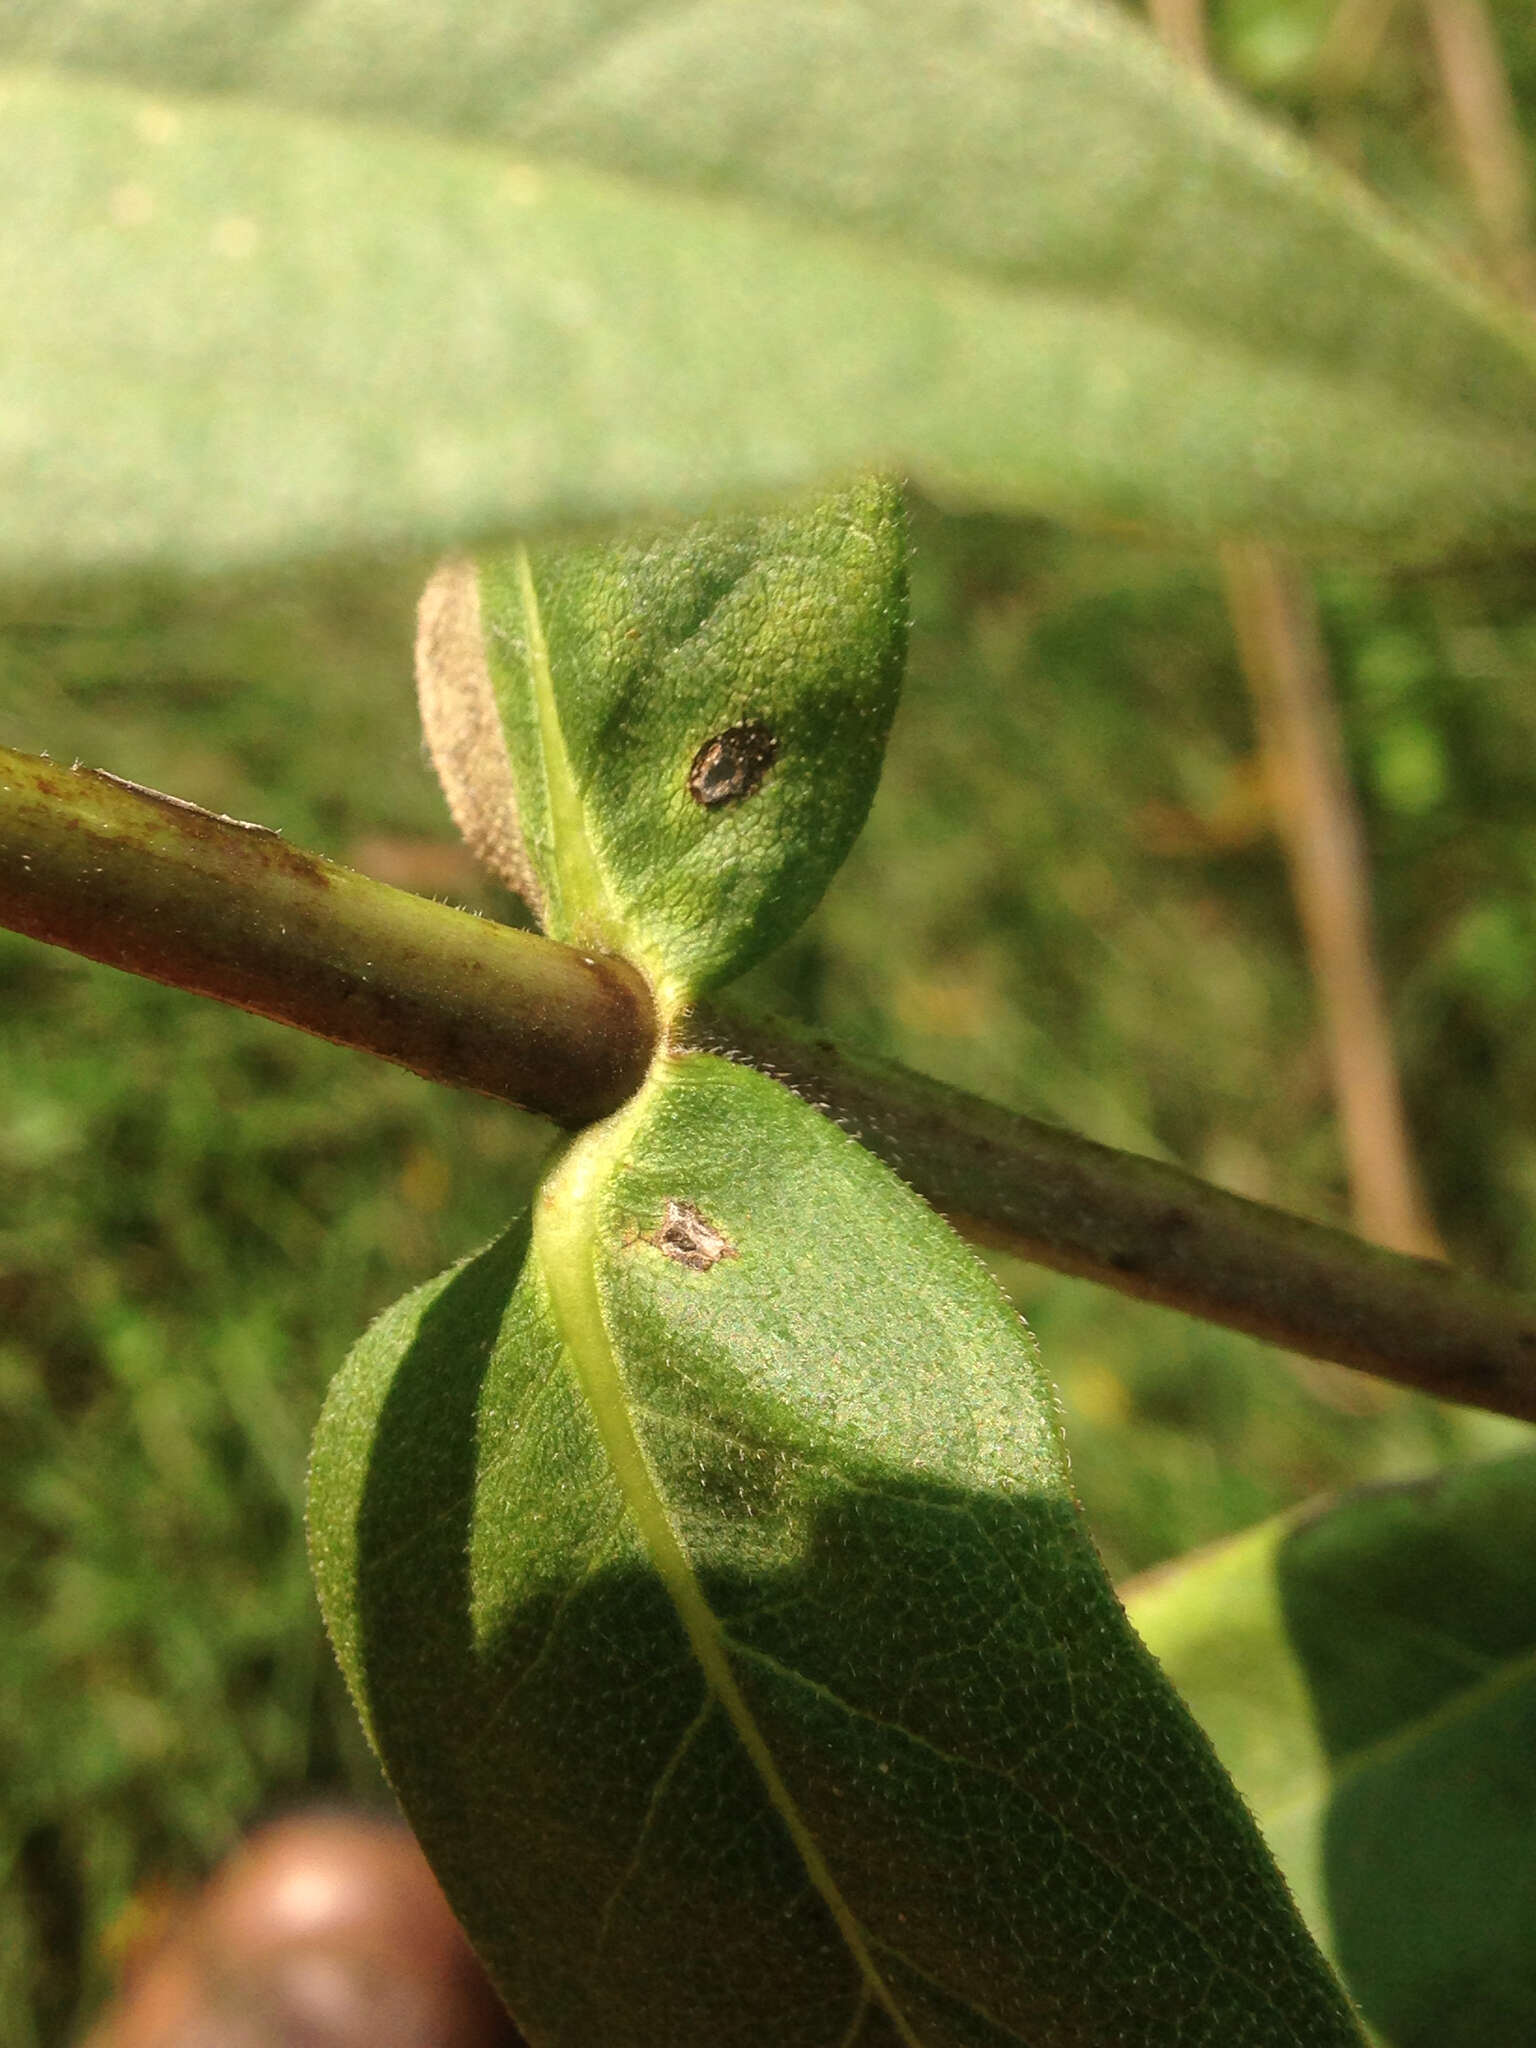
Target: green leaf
x=378 y=272
x=683 y=734
x=1368 y=1675
x=703 y=1558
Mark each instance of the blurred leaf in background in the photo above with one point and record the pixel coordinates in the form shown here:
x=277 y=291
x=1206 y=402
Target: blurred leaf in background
x=1367 y=1671
x=422 y=270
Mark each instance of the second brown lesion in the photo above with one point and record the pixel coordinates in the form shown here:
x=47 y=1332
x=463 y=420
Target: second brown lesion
x=688 y=1238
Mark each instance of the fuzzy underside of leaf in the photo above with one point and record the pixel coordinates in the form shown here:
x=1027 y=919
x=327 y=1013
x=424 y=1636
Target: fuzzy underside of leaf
x=418 y=273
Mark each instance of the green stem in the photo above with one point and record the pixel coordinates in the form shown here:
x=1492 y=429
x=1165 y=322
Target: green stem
x=226 y=910
x=168 y=890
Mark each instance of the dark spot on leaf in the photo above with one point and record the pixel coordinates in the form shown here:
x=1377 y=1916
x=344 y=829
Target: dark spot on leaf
x=732 y=765
x=688 y=1238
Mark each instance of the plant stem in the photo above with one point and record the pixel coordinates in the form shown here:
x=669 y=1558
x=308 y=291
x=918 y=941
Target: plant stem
x=227 y=910
x=1153 y=1231
x=168 y=890
x=1486 y=132
x=1181 y=25
x=1351 y=44
x=1286 y=669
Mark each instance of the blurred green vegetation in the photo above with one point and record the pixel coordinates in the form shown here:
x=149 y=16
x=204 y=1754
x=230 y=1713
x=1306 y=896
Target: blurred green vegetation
x=1069 y=898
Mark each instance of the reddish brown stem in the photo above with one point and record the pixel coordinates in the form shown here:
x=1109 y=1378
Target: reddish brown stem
x=168 y=890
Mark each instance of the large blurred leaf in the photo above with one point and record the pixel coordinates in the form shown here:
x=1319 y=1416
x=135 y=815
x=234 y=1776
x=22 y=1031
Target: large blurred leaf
x=382 y=270
x=703 y=1560
x=1368 y=1675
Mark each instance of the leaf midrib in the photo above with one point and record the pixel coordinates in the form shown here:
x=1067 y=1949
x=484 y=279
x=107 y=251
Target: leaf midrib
x=564 y=1243
x=586 y=906
x=1016 y=1783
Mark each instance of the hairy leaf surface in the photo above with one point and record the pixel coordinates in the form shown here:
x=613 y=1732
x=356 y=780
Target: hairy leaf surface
x=1368 y=1675
x=693 y=725
x=375 y=272
x=703 y=1558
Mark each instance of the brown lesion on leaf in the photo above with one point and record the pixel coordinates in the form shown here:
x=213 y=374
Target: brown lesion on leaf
x=688 y=1238
x=732 y=765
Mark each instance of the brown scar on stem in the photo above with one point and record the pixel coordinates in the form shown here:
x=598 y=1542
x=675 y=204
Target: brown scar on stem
x=688 y=1238
x=732 y=765
x=176 y=803
x=463 y=729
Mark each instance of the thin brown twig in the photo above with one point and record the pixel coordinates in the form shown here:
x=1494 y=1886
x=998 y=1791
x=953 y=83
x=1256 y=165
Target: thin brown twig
x=1351 y=44
x=1285 y=667
x=1181 y=25
x=1286 y=670
x=1486 y=133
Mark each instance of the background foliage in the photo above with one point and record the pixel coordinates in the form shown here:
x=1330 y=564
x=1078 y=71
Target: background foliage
x=1069 y=898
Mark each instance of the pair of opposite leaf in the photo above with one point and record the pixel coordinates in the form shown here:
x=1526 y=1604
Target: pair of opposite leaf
x=701 y=1555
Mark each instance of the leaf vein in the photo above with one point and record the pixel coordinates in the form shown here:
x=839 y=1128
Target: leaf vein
x=980 y=1768
x=659 y=1792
